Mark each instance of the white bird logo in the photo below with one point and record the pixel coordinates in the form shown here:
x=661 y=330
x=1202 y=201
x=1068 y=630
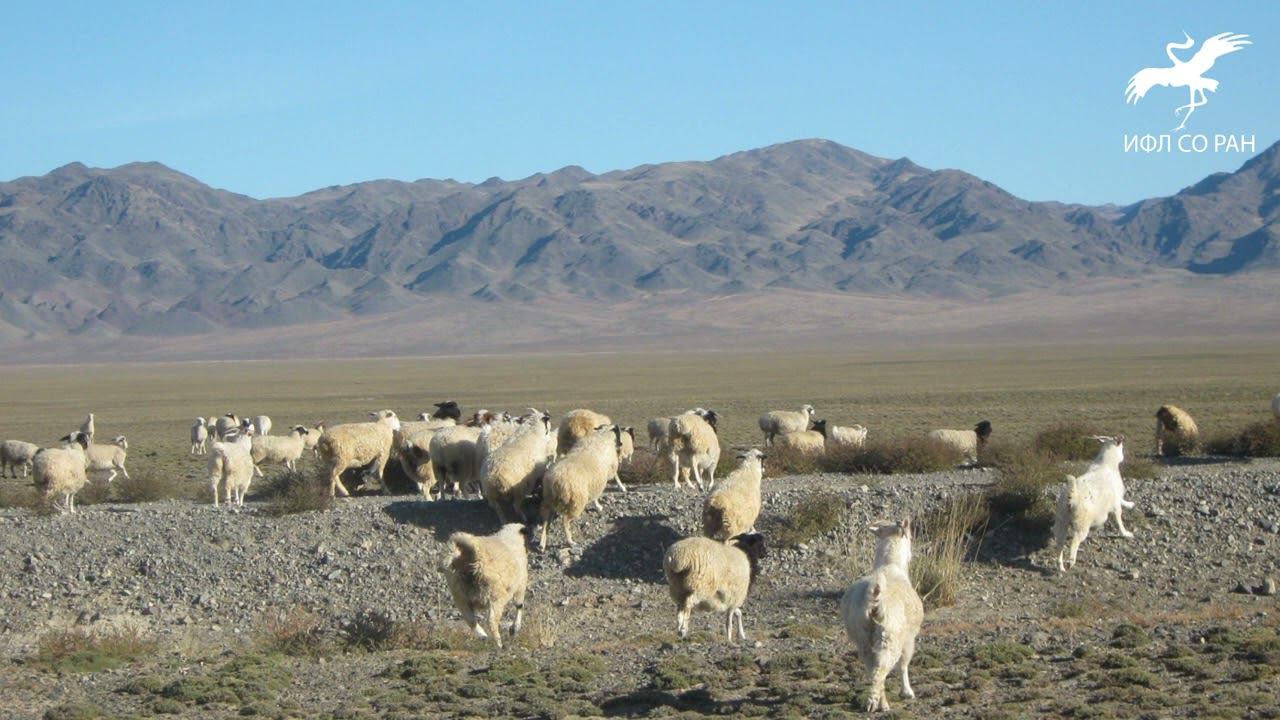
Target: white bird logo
x=1189 y=74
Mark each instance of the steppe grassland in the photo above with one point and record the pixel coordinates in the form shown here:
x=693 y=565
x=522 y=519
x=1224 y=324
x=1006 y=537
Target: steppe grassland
x=892 y=391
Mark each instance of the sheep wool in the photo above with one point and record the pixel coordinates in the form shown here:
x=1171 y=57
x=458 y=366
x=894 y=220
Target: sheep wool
x=484 y=574
x=966 y=443
x=776 y=422
x=108 y=458
x=280 y=449
x=694 y=447
x=231 y=465
x=454 y=456
x=852 y=437
x=225 y=424
x=312 y=440
x=882 y=614
x=705 y=574
x=1087 y=501
x=15 y=455
x=732 y=508
x=577 y=424
x=658 y=432
x=805 y=442
x=509 y=471
x=414 y=448
x=60 y=472
x=1176 y=432
x=357 y=445
x=199 y=437
x=578 y=478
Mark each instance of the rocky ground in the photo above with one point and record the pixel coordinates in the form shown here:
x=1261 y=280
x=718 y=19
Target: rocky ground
x=1176 y=622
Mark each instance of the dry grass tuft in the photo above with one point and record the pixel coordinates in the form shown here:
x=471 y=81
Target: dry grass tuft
x=1068 y=441
x=815 y=515
x=911 y=455
x=78 y=650
x=1260 y=439
x=295 y=632
x=291 y=492
x=943 y=539
x=1024 y=487
x=645 y=468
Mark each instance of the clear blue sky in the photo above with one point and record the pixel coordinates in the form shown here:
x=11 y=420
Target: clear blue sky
x=278 y=98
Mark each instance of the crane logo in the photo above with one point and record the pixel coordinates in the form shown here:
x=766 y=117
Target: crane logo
x=1188 y=74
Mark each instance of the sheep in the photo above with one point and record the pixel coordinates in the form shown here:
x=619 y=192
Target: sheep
x=447 y=410
x=485 y=573
x=776 y=422
x=965 y=442
x=87 y=428
x=261 y=425
x=578 y=478
x=231 y=464
x=199 y=437
x=806 y=442
x=354 y=445
x=658 y=432
x=1176 y=432
x=694 y=446
x=732 y=508
x=225 y=424
x=508 y=471
x=61 y=471
x=628 y=449
x=852 y=437
x=311 y=440
x=413 y=445
x=280 y=449
x=108 y=458
x=705 y=574
x=882 y=614
x=577 y=424
x=1085 y=502
x=16 y=454
x=211 y=425
x=454 y=457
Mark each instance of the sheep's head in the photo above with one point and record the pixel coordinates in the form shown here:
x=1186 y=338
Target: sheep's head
x=387 y=417
x=893 y=543
x=76 y=438
x=1112 y=449
x=807 y=410
x=299 y=430
x=753 y=546
x=447 y=409
x=711 y=418
x=120 y=441
x=752 y=454
x=983 y=429
x=821 y=427
x=1167 y=418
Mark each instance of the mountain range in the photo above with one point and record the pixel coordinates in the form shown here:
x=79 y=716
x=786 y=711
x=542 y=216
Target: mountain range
x=142 y=261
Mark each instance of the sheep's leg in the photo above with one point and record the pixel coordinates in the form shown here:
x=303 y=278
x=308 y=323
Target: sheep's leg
x=542 y=545
x=596 y=503
x=1120 y=523
x=728 y=623
x=675 y=469
x=742 y=632
x=1126 y=504
x=904 y=663
x=257 y=471
x=568 y=535
x=1062 y=550
x=618 y=480
x=112 y=476
x=697 y=475
x=1075 y=547
x=336 y=487
x=493 y=617
x=682 y=617
x=518 y=599
x=877 y=700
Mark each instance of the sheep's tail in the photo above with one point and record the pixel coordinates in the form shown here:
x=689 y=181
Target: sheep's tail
x=466 y=555
x=875 y=599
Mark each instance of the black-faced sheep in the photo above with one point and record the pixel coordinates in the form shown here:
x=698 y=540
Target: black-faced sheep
x=705 y=574
x=967 y=443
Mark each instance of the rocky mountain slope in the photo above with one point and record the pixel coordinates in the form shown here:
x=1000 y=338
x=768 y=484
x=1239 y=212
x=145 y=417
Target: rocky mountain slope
x=95 y=257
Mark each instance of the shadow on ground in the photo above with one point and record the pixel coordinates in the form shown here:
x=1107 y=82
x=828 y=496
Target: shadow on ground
x=633 y=549
x=444 y=517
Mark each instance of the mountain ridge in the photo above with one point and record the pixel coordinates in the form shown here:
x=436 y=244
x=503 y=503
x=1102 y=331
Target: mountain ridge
x=143 y=250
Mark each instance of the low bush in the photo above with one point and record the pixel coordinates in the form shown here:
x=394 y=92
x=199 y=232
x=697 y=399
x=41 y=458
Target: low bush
x=903 y=455
x=815 y=514
x=1024 y=484
x=79 y=650
x=291 y=492
x=1260 y=439
x=1068 y=441
x=943 y=539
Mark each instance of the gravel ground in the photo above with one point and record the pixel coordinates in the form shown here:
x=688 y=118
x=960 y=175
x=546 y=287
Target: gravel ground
x=203 y=582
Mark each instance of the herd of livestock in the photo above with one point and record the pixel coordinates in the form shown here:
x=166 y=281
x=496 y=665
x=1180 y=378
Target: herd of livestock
x=531 y=470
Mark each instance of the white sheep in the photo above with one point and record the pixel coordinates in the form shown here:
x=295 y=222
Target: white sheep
x=87 y=428
x=658 y=428
x=485 y=573
x=508 y=471
x=732 y=508
x=225 y=424
x=694 y=447
x=356 y=445
x=705 y=574
x=578 y=478
x=776 y=422
x=16 y=454
x=279 y=449
x=61 y=471
x=882 y=614
x=231 y=465
x=577 y=424
x=261 y=425
x=841 y=438
x=455 y=458
x=811 y=443
x=108 y=458
x=199 y=437
x=967 y=443
x=1085 y=502
x=1176 y=432
x=312 y=439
